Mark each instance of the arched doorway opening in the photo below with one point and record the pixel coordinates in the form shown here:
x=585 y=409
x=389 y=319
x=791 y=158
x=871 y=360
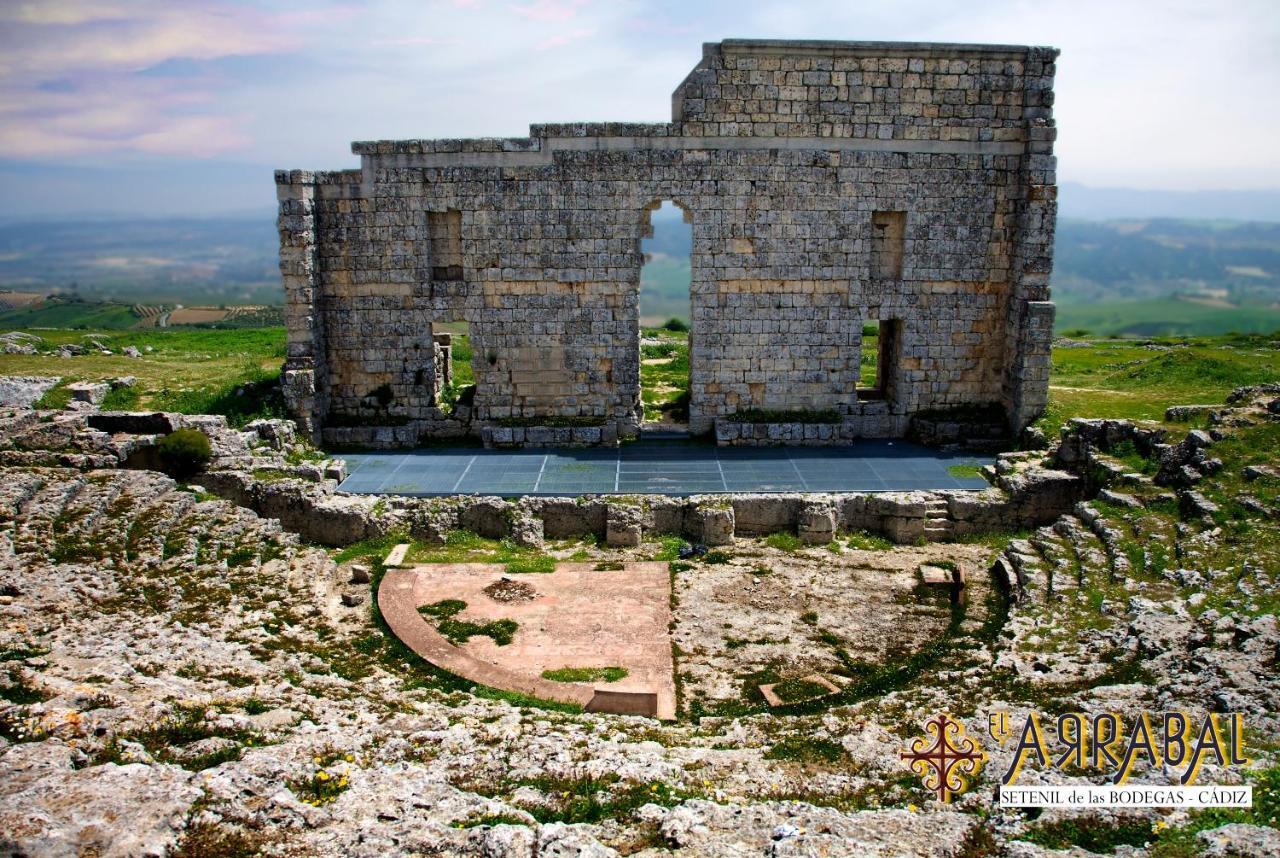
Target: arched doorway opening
x=665 y=318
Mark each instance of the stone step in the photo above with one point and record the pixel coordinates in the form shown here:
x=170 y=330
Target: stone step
x=37 y=515
x=92 y=509
x=1109 y=536
x=152 y=522
x=1058 y=559
x=16 y=488
x=1028 y=565
x=665 y=434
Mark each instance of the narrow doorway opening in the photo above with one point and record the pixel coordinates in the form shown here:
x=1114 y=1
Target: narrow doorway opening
x=665 y=318
x=879 y=360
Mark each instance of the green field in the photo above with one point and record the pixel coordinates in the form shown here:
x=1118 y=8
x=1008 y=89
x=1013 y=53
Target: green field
x=1139 y=380
x=1164 y=317
x=83 y=316
x=194 y=371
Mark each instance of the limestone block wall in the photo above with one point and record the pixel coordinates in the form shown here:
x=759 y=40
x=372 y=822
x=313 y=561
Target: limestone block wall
x=828 y=184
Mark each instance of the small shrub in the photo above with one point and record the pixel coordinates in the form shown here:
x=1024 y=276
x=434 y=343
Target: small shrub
x=715 y=558
x=326 y=783
x=1091 y=834
x=184 y=452
x=679 y=326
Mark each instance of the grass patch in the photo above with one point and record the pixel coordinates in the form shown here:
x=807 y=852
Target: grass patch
x=591 y=800
x=534 y=564
x=796 y=690
x=55 y=398
x=585 y=674
x=1091 y=834
x=965 y=471
x=788 y=542
x=121 y=398
x=861 y=540
x=458 y=631
x=806 y=749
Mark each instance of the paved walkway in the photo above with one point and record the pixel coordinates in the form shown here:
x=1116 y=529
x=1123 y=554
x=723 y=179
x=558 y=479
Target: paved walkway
x=661 y=467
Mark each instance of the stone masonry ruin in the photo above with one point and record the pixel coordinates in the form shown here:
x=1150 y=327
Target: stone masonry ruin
x=830 y=185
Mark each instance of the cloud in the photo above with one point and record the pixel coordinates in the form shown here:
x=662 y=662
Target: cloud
x=63 y=12
x=1173 y=98
x=70 y=79
x=561 y=39
x=550 y=10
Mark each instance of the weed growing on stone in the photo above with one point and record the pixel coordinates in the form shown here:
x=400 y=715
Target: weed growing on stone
x=211 y=840
x=329 y=780
x=491 y=819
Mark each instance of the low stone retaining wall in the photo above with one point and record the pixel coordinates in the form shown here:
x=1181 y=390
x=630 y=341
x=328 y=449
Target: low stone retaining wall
x=870 y=419
x=1026 y=494
x=550 y=436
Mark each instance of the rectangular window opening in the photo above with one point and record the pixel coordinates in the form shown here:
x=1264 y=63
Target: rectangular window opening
x=879 y=359
x=888 y=238
x=444 y=241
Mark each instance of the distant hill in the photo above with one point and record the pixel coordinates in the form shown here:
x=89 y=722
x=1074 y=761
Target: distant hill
x=1136 y=259
x=1086 y=203
x=1163 y=275
x=187 y=261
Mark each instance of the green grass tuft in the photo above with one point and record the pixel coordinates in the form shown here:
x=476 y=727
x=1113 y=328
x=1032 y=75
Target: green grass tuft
x=586 y=674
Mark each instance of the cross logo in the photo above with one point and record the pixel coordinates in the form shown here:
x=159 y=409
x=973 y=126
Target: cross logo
x=947 y=764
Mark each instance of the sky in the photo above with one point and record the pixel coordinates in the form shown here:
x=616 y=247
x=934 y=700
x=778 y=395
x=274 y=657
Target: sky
x=180 y=106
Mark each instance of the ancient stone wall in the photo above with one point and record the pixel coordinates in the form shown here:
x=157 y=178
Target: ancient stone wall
x=829 y=184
